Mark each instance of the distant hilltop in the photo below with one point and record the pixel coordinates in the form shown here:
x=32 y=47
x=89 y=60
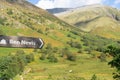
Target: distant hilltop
x=97 y=19
x=58 y=10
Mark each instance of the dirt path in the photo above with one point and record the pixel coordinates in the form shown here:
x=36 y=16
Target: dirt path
x=24 y=73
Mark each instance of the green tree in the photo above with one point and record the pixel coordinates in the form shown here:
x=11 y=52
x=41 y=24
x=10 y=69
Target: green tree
x=12 y=65
x=115 y=52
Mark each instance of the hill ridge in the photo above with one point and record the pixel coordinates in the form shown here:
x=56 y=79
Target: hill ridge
x=91 y=18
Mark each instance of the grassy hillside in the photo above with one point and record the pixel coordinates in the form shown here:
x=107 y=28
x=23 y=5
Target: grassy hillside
x=24 y=19
x=68 y=53
x=97 y=19
x=82 y=69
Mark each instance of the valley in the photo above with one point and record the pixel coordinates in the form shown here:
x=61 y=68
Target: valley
x=69 y=52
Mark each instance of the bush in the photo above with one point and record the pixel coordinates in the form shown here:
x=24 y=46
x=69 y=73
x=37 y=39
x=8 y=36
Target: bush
x=29 y=58
x=9 y=12
x=88 y=50
x=49 y=46
x=49 y=53
x=103 y=57
x=79 y=51
x=74 y=44
x=2 y=21
x=43 y=57
x=74 y=32
x=20 y=52
x=71 y=57
x=68 y=35
x=115 y=63
x=52 y=58
x=92 y=41
x=40 y=31
x=55 y=50
x=94 y=77
x=12 y=65
x=1 y=32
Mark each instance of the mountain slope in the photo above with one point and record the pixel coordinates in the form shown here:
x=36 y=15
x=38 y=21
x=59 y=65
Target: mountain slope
x=20 y=18
x=96 y=19
x=66 y=47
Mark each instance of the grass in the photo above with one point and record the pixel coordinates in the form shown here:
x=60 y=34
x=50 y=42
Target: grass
x=85 y=67
x=4 y=51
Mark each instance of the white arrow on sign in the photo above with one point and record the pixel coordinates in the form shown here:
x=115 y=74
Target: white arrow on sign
x=41 y=43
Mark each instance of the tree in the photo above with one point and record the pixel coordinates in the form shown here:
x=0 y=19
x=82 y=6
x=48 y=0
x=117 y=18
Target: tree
x=12 y=65
x=115 y=52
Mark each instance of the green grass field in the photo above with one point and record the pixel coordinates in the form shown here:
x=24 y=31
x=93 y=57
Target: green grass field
x=85 y=66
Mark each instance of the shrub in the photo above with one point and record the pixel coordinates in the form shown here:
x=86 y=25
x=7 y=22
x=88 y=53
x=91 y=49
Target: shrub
x=103 y=57
x=43 y=57
x=2 y=21
x=53 y=59
x=94 y=77
x=19 y=52
x=71 y=57
x=68 y=35
x=88 y=50
x=12 y=65
x=9 y=12
x=79 y=51
x=115 y=52
x=55 y=50
x=1 y=32
x=74 y=44
x=29 y=58
x=74 y=32
x=40 y=31
x=49 y=46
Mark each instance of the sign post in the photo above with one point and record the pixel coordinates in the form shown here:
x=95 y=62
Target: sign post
x=21 y=42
